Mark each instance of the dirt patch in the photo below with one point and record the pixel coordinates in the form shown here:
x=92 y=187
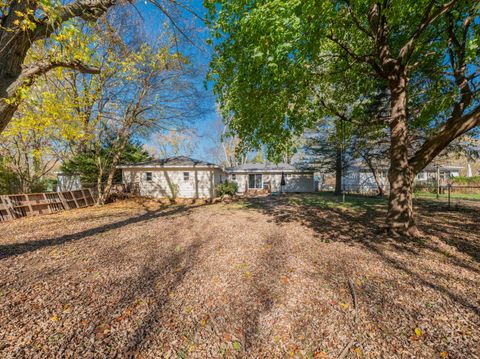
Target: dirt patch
x=256 y=278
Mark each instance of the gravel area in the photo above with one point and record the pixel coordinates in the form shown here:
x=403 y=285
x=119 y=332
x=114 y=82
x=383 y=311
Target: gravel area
x=255 y=278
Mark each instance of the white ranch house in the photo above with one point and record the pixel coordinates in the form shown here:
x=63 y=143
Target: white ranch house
x=184 y=177
x=268 y=176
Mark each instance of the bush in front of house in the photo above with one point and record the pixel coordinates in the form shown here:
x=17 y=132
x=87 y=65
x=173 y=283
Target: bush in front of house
x=226 y=188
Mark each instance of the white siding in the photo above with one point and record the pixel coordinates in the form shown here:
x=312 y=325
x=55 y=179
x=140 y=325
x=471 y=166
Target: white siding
x=166 y=182
x=294 y=182
x=298 y=182
x=363 y=181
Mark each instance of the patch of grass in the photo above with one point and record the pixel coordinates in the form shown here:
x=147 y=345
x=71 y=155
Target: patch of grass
x=468 y=196
x=349 y=201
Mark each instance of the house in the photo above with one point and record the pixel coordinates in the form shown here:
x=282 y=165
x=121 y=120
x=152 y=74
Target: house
x=359 y=178
x=175 y=177
x=183 y=177
x=67 y=182
x=268 y=176
x=446 y=172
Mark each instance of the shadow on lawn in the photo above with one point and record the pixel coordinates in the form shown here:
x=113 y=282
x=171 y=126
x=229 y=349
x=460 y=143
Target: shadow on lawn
x=156 y=281
x=333 y=224
x=8 y=250
x=262 y=292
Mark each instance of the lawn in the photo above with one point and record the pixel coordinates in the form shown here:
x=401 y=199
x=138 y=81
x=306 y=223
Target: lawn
x=261 y=278
x=453 y=195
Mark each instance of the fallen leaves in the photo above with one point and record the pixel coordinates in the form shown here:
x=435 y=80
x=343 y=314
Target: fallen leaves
x=237 y=283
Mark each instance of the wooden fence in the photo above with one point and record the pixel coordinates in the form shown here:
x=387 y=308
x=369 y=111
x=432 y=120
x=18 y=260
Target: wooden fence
x=25 y=205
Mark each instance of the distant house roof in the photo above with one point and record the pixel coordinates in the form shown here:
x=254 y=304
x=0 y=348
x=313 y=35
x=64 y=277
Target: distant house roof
x=430 y=168
x=266 y=167
x=433 y=167
x=179 y=161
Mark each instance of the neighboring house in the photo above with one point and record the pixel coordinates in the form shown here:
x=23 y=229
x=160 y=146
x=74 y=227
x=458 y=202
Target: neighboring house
x=175 y=177
x=67 y=183
x=446 y=172
x=360 y=178
x=268 y=176
x=183 y=177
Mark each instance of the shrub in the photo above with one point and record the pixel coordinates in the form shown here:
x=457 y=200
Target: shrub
x=427 y=186
x=461 y=180
x=226 y=188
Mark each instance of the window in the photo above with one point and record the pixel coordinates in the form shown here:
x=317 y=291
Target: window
x=148 y=176
x=234 y=177
x=255 y=181
x=186 y=176
x=422 y=176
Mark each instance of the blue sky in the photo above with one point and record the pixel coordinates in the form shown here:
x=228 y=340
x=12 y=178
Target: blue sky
x=200 y=55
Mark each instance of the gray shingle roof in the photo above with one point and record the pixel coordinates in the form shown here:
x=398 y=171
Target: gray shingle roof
x=179 y=161
x=264 y=167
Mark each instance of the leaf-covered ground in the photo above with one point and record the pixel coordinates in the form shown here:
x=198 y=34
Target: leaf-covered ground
x=260 y=278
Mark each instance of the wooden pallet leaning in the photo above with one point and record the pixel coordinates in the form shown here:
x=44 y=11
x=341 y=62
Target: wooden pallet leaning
x=5 y=208
x=26 y=205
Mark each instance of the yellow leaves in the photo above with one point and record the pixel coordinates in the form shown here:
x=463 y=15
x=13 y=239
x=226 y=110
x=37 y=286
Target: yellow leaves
x=358 y=352
x=344 y=305
x=188 y=309
x=236 y=345
x=418 y=334
x=54 y=318
x=25 y=21
x=444 y=354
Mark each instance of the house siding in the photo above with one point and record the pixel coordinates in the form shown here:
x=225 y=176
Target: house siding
x=167 y=183
x=364 y=181
x=295 y=182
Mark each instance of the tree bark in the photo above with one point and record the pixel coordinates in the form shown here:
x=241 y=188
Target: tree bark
x=400 y=218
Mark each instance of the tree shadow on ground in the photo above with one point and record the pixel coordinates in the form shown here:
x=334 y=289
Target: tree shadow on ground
x=8 y=250
x=263 y=291
x=333 y=224
x=156 y=281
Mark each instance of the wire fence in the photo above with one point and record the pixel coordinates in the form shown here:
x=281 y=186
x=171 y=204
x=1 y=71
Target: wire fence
x=453 y=196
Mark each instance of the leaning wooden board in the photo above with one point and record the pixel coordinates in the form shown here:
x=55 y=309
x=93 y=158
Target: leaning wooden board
x=33 y=204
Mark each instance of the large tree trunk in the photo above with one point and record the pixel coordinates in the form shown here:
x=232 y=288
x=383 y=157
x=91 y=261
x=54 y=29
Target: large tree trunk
x=113 y=167
x=400 y=175
x=338 y=171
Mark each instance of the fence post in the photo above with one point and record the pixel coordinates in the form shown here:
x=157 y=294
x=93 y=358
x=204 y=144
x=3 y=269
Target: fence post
x=65 y=205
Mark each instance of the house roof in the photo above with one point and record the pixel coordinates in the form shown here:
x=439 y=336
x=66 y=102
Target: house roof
x=266 y=167
x=179 y=161
x=429 y=168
